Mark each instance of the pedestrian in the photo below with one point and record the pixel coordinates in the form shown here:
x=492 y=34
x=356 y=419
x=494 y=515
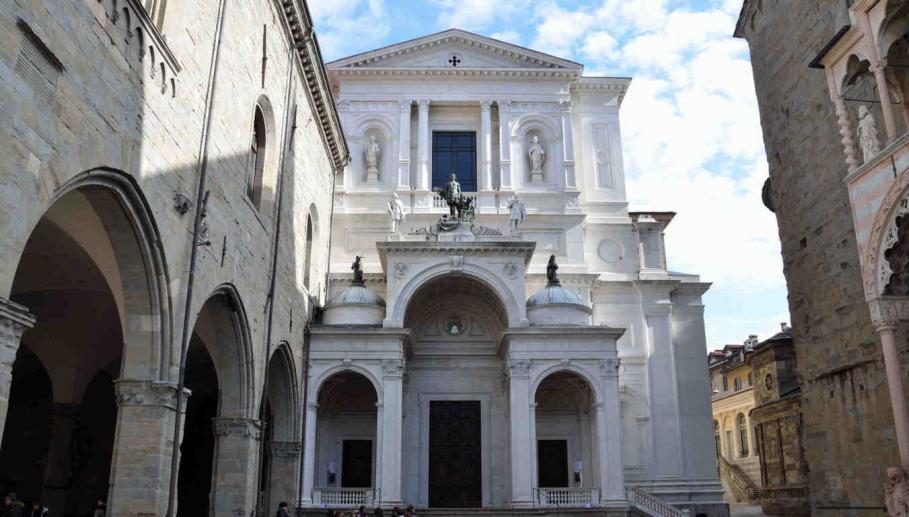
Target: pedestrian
x=361 y=511
x=378 y=512
x=12 y=507
x=411 y=511
x=396 y=512
x=283 y=510
x=39 y=510
x=100 y=508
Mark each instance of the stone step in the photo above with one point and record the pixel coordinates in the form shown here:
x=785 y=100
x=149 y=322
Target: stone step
x=492 y=512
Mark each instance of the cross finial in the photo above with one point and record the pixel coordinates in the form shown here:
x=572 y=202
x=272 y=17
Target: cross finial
x=455 y=60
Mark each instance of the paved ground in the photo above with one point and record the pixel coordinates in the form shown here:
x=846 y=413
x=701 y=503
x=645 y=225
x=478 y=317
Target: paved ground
x=744 y=510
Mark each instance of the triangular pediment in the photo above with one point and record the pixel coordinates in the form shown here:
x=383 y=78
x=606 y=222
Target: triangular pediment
x=455 y=49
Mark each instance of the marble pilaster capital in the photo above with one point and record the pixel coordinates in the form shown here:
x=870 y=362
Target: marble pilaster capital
x=423 y=103
x=406 y=105
x=135 y=392
x=393 y=368
x=284 y=449
x=235 y=426
x=609 y=367
x=485 y=105
x=518 y=369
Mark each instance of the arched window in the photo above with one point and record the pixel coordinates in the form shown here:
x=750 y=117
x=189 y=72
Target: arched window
x=725 y=383
x=750 y=379
x=258 y=148
x=743 y=435
x=716 y=436
x=307 y=253
x=737 y=384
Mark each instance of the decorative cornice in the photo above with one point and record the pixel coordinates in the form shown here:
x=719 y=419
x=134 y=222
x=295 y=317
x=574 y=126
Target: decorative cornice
x=461 y=73
x=523 y=248
x=299 y=22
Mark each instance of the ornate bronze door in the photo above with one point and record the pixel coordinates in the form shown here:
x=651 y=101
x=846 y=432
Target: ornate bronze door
x=454 y=454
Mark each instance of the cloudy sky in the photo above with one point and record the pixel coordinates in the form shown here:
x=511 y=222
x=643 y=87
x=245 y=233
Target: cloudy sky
x=691 y=133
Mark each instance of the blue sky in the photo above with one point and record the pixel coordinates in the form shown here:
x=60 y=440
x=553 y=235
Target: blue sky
x=691 y=132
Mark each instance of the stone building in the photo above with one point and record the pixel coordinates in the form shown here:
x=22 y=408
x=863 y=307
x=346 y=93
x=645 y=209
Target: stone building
x=732 y=387
x=454 y=373
x=777 y=426
x=826 y=73
x=165 y=192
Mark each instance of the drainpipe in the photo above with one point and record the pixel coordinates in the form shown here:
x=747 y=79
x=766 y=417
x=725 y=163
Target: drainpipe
x=289 y=118
x=201 y=201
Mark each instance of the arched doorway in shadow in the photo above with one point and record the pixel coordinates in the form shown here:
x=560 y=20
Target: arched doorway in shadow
x=86 y=269
x=345 y=437
x=279 y=463
x=459 y=429
x=566 y=448
x=218 y=448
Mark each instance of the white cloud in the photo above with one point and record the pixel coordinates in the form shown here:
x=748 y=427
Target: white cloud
x=509 y=36
x=347 y=26
x=600 y=45
x=476 y=14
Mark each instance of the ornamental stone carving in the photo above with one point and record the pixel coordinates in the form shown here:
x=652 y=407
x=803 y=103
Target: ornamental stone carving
x=510 y=269
x=869 y=140
x=148 y=393
x=896 y=492
x=537 y=155
x=241 y=427
x=284 y=449
x=610 y=367
x=393 y=368
x=400 y=269
x=519 y=369
x=373 y=152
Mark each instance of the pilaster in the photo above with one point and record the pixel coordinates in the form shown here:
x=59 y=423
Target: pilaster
x=609 y=438
x=404 y=147
x=390 y=432
x=661 y=373
x=309 y=455
x=571 y=182
x=521 y=428
x=486 y=194
x=505 y=146
x=423 y=179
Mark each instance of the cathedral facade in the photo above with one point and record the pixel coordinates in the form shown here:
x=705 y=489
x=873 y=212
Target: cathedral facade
x=459 y=368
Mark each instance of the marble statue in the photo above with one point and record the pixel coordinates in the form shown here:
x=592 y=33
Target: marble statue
x=396 y=211
x=867 y=134
x=896 y=492
x=551 y=268
x=537 y=155
x=373 y=152
x=516 y=213
x=357 y=271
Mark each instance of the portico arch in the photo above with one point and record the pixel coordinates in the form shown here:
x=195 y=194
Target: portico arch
x=281 y=448
x=93 y=273
x=575 y=369
x=504 y=294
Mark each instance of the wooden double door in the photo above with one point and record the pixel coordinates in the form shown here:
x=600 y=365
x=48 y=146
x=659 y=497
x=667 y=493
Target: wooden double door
x=455 y=472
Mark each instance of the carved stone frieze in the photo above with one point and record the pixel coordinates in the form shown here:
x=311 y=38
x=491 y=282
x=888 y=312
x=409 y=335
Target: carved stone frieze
x=393 y=368
x=284 y=449
x=131 y=392
x=241 y=427
x=889 y=311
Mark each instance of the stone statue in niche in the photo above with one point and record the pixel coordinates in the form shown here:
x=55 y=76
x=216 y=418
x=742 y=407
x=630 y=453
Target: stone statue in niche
x=516 y=213
x=537 y=155
x=867 y=133
x=396 y=211
x=373 y=153
x=896 y=492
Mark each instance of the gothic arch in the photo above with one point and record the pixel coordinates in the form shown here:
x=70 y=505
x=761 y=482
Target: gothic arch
x=882 y=235
x=140 y=267
x=513 y=308
x=282 y=373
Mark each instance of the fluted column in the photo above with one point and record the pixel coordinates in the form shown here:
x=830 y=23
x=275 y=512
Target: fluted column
x=14 y=321
x=423 y=179
x=520 y=427
x=404 y=147
x=390 y=432
x=505 y=146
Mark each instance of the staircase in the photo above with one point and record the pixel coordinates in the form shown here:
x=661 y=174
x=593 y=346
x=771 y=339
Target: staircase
x=737 y=482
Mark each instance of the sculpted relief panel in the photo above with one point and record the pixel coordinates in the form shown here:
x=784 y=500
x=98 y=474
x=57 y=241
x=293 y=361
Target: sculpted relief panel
x=602 y=157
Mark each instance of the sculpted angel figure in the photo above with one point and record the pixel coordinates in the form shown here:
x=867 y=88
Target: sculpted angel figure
x=516 y=213
x=396 y=211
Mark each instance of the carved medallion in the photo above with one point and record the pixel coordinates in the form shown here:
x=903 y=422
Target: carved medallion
x=768 y=382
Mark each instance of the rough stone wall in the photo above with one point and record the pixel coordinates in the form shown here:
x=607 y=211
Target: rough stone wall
x=847 y=423
x=114 y=106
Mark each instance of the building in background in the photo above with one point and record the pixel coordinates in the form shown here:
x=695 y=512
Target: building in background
x=113 y=113
x=777 y=424
x=830 y=78
x=732 y=386
x=536 y=145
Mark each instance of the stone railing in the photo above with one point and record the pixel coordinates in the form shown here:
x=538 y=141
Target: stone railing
x=343 y=497
x=742 y=488
x=567 y=497
x=653 y=506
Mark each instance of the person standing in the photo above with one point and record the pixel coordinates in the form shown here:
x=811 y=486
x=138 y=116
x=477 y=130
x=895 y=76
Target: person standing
x=100 y=508
x=12 y=507
x=283 y=510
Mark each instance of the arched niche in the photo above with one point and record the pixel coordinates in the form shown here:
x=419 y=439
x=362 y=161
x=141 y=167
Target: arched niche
x=549 y=136
x=385 y=133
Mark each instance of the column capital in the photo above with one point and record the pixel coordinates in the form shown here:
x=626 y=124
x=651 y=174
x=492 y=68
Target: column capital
x=237 y=426
x=886 y=314
x=485 y=105
x=393 y=368
x=284 y=449
x=14 y=320
x=136 y=392
x=423 y=103
x=406 y=105
x=504 y=105
x=609 y=367
x=518 y=369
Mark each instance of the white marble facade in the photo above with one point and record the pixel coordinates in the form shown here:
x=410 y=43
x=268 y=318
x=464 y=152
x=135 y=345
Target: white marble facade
x=630 y=388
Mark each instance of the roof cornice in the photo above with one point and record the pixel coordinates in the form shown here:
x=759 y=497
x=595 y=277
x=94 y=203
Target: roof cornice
x=296 y=15
x=470 y=73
